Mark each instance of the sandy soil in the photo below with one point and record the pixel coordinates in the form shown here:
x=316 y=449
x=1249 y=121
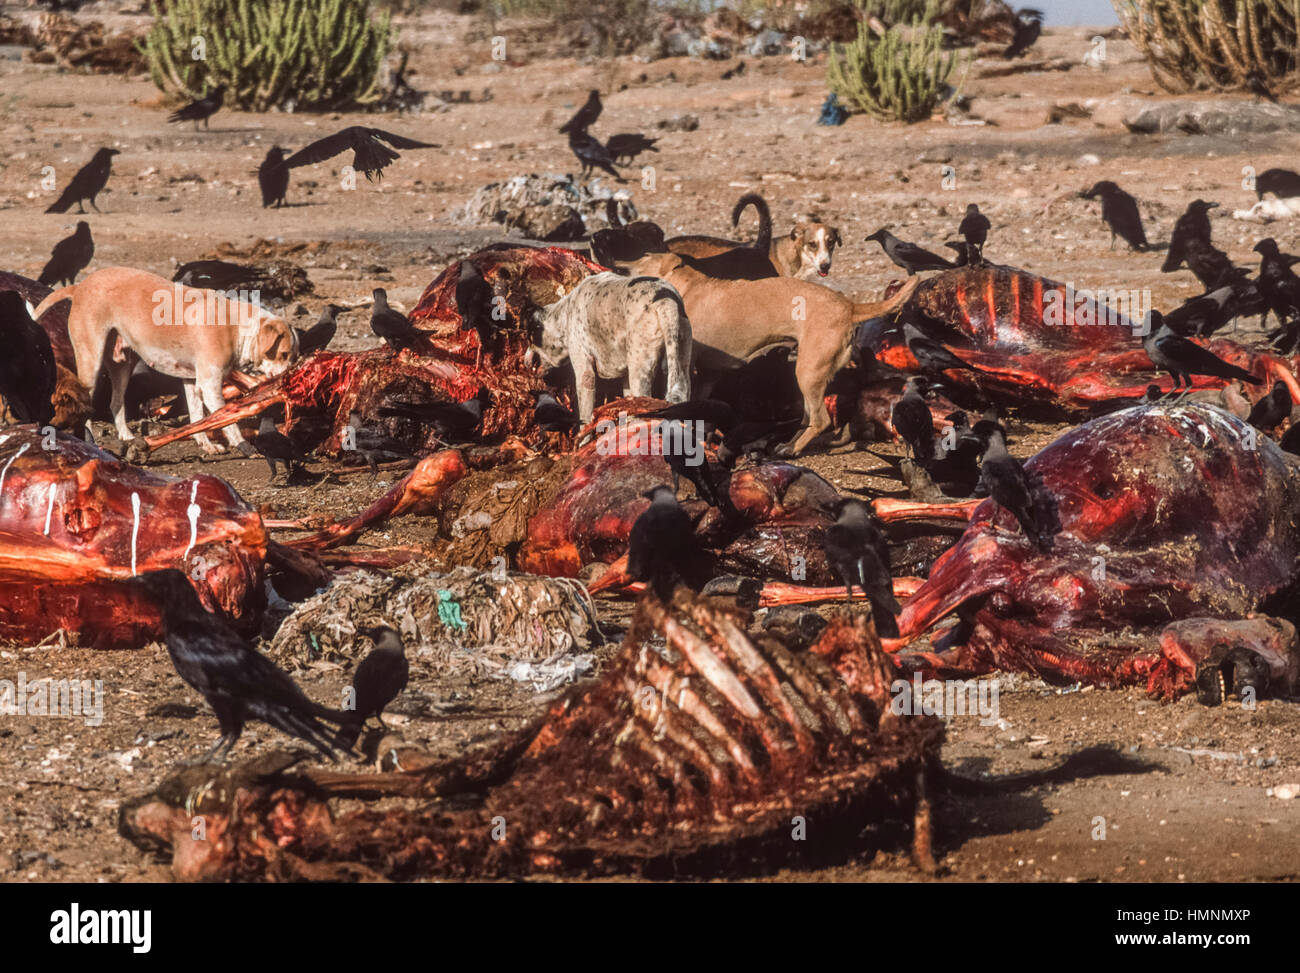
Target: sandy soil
x=1187 y=797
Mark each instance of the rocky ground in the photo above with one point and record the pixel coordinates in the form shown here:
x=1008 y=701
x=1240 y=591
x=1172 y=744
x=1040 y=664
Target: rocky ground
x=1197 y=796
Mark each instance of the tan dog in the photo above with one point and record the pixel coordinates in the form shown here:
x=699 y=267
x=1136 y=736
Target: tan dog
x=196 y=335
x=734 y=320
x=808 y=249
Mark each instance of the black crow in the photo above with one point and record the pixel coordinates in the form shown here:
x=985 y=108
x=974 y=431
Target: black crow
x=909 y=256
x=930 y=354
x=592 y=154
x=1277 y=282
x=201 y=110
x=1007 y=483
x=856 y=548
x=628 y=145
x=393 y=326
x=1290 y=440
x=1282 y=183
x=911 y=419
x=1029 y=26
x=1203 y=315
x=974 y=229
x=378 y=680
x=217 y=275
x=550 y=416
x=372 y=444
x=239 y=683
x=1270 y=411
x=1119 y=211
x=474 y=303
x=661 y=540
x=683 y=449
x=27 y=368
x=1258 y=87
x=1194 y=224
x=275 y=447
x=273 y=178
x=1212 y=267
x=369 y=153
x=452 y=422
x=88 y=183
x=586 y=115
x=1182 y=358
x=962 y=249
x=320 y=334
x=957 y=452
x=70 y=257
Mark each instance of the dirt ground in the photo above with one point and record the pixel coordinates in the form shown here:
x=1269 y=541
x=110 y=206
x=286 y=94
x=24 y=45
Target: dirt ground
x=1190 y=798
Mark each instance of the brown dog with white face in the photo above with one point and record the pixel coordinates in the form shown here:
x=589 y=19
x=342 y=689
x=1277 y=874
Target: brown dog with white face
x=199 y=336
x=805 y=252
x=734 y=320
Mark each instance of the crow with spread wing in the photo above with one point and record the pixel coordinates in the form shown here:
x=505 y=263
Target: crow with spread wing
x=369 y=153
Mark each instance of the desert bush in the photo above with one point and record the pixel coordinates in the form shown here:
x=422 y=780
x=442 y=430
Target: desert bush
x=308 y=54
x=899 y=75
x=1215 y=44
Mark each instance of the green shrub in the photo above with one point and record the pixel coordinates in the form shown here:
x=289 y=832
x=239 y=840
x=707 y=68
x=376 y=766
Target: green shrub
x=900 y=76
x=312 y=54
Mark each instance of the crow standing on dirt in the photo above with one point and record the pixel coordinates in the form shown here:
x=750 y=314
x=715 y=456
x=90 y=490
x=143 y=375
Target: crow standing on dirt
x=369 y=153
x=1182 y=358
x=910 y=417
x=1277 y=282
x=856 y=548
x=1194 y=224
x=660 y=542
x=592 y=154
x=273 y=178
x=275 y=447
x=239 y=683
x=1007 y=483
x=1119 y=210
x=379 y=678
x=201 y=110
x=1256 y=85
x=586 y=115
x=454 y=423
x=628 y=145
x=70 y=256
x=1029 y=26
x=88 y=183
x=393 y=326
x=1282 y=183
x=27 y=370
x=974 y=229
x=320 y=334
x=909 y=256
x=1272 y=409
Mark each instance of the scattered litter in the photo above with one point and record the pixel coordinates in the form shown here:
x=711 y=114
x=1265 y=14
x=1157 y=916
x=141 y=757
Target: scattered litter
x=549 y=207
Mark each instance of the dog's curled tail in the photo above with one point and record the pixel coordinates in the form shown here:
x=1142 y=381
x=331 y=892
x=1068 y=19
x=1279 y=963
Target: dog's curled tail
x=62 y=294
x=764 y=241
x=862 y=310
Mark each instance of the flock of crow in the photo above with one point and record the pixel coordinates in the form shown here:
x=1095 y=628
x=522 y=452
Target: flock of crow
x=241 y=684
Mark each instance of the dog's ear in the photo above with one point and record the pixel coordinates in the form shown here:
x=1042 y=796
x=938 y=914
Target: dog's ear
x=274 y=340
x=835 y=239
x=796 y=232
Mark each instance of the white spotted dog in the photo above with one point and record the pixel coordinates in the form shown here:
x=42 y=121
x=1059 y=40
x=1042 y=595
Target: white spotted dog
x=613 y=326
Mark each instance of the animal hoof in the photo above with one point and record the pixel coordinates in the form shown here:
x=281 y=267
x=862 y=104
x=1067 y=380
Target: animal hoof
x=137 y=452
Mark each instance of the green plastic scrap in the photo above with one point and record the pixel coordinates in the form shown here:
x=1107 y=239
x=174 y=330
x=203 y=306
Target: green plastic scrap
x=449 y=611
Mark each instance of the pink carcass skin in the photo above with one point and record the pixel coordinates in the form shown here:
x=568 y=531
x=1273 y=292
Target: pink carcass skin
x=782 y=515
x=69 y=532
x=444 y=366
x=1166 y=513
x=1076 y=365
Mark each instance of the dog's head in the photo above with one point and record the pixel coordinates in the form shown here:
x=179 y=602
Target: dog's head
x=656 y=265
x=275 y=347
x=815 y=245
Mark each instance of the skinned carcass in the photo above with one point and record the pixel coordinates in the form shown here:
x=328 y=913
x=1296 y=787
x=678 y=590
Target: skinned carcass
x=444 y=366
x=1040 y=343
x=74 y=521
x=1166 y=513
x=697 y=748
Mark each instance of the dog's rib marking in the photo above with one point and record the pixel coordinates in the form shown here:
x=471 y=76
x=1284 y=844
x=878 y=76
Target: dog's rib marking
x=49 y=508
x=4 y=472
x=192 y=511
x=135 y=527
